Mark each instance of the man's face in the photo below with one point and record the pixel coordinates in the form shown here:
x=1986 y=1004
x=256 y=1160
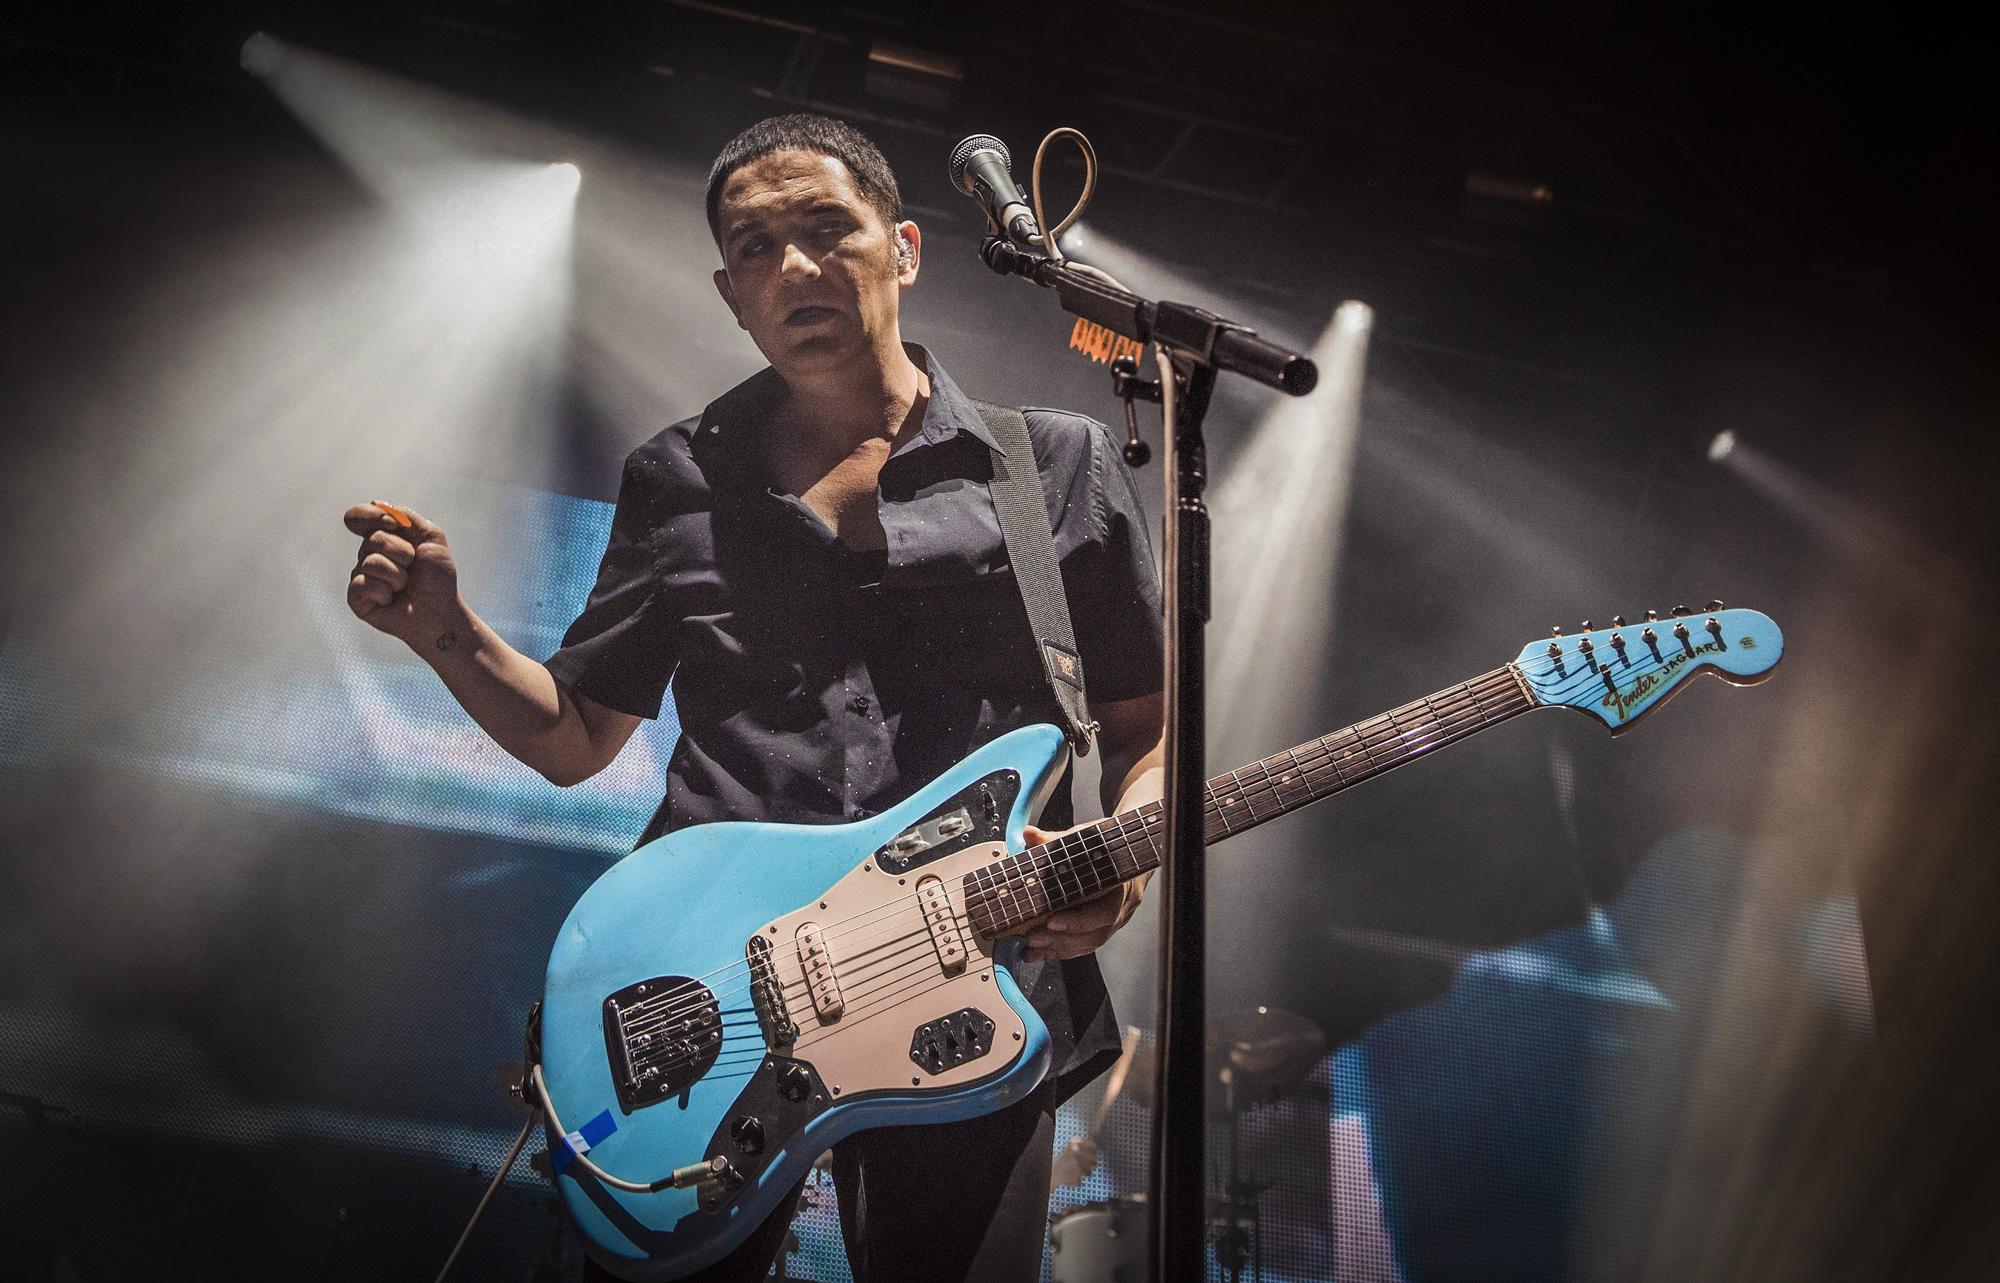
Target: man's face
x=809 y=267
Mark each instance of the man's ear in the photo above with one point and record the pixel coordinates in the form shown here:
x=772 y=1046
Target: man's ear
x=728 y=292
x=909 y=252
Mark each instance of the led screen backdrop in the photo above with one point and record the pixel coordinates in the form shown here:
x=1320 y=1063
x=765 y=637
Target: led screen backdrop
x=1512 y=1123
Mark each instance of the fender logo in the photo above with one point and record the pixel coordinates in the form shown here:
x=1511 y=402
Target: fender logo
x=1645 y=685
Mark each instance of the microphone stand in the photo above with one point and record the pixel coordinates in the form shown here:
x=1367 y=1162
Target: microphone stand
x=1199 y=345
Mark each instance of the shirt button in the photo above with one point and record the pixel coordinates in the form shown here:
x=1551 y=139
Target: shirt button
x=859 y=704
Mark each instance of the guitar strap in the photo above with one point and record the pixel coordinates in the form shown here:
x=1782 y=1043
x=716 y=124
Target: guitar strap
x=1031 y=548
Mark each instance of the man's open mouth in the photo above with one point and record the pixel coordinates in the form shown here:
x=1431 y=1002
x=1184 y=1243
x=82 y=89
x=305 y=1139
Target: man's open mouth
x=811 y=314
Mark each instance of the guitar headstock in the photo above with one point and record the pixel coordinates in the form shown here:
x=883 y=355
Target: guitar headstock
x=1620 y=673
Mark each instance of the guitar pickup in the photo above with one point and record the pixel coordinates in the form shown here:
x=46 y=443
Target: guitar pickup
x=817 y=963
x=943 y=923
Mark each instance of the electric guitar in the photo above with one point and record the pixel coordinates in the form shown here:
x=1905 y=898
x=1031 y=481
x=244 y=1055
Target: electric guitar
x=730 y=1000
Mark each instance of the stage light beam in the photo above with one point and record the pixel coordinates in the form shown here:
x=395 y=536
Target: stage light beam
x=1280 y=513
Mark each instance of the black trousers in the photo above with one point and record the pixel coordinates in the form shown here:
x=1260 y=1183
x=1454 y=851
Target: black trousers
x=947 y=1203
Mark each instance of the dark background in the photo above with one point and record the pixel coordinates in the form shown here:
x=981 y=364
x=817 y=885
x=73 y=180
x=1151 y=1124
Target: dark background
x=1773 y=223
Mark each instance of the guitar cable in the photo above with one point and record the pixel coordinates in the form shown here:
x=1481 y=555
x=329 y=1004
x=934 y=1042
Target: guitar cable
x=506 y=1165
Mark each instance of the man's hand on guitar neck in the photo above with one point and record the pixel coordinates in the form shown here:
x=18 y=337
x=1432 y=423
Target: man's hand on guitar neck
x=1134 y=756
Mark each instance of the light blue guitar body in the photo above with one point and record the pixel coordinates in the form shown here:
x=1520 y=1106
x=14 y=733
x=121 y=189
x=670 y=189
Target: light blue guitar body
x=685 y=905
x=726 y=1003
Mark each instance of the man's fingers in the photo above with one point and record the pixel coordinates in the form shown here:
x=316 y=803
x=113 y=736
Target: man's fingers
x=365 y=594
x=378 y=568
x=1044 y=944
x=367 y=518
x=394 y=547
x=1091 y=915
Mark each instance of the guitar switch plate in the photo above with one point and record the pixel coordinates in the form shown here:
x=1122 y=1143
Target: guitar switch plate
x=974 y=815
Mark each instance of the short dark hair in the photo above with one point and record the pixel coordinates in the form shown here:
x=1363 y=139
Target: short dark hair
x=806 y=132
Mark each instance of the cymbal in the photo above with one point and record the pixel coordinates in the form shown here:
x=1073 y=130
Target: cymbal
x=1264 y=1051
x=1260 y=1053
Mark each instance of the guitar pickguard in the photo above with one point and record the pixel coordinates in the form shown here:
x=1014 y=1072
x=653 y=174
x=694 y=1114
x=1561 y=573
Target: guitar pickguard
x=871 y=934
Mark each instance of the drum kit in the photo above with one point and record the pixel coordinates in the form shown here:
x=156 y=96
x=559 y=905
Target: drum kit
x=1255 y=1058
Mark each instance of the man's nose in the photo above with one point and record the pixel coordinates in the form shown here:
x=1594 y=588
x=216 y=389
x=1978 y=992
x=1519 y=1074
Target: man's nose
x=798 y=266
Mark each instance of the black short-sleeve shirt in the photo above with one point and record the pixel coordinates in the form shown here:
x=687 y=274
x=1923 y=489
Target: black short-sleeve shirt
x=815 y=684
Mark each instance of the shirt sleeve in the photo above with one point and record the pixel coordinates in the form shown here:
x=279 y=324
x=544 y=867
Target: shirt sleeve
x=620 y=651
x=1114 y=585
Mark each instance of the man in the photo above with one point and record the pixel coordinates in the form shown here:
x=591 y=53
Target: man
x=816 y=563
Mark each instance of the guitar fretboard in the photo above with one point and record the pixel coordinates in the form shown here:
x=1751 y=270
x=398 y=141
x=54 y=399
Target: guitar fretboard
x=1029 y=885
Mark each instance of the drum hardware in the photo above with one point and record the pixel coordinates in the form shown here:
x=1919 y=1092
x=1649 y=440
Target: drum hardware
x=1255 y=1058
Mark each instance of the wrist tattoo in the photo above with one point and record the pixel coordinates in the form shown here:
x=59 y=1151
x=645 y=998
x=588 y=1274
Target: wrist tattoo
x=447 y=639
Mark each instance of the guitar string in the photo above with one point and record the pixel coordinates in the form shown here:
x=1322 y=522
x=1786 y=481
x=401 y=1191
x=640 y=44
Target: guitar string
x=873 y=996
x=1469 y=702
x=1379 y=730
x=1364 y=737
x=1451 y=723
x=1138 y=817
x=878 y=996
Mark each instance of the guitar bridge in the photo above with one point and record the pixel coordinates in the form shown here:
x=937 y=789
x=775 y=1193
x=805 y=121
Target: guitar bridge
x=767 y=995
x=662 y=1035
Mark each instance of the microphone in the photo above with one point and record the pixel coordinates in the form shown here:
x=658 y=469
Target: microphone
x=982 y=169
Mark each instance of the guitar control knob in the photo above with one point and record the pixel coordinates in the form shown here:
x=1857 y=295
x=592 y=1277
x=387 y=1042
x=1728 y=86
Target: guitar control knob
x=748 y=1133
x=794 y=1082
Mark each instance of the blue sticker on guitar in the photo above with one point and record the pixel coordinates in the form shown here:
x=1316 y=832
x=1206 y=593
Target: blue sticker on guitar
x=581 y=1140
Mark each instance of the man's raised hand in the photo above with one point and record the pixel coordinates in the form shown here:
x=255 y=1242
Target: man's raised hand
x=404 y=581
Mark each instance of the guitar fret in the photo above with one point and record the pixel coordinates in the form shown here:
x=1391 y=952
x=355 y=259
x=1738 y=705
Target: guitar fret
x=1243 y=796
x=1084 y=863
x=1271 y=787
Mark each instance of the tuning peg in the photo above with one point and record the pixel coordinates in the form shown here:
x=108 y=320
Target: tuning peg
x=1586 y=625
x=1556 y=631
x=1680 y=611
x=1618 y=621
x=1714 y=605
x=1652 y=616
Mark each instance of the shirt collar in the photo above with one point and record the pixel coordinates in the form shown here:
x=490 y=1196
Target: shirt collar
x=726 y=435
x=950 y=411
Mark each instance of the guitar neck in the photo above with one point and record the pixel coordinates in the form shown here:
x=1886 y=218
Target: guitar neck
x=1031 y=884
